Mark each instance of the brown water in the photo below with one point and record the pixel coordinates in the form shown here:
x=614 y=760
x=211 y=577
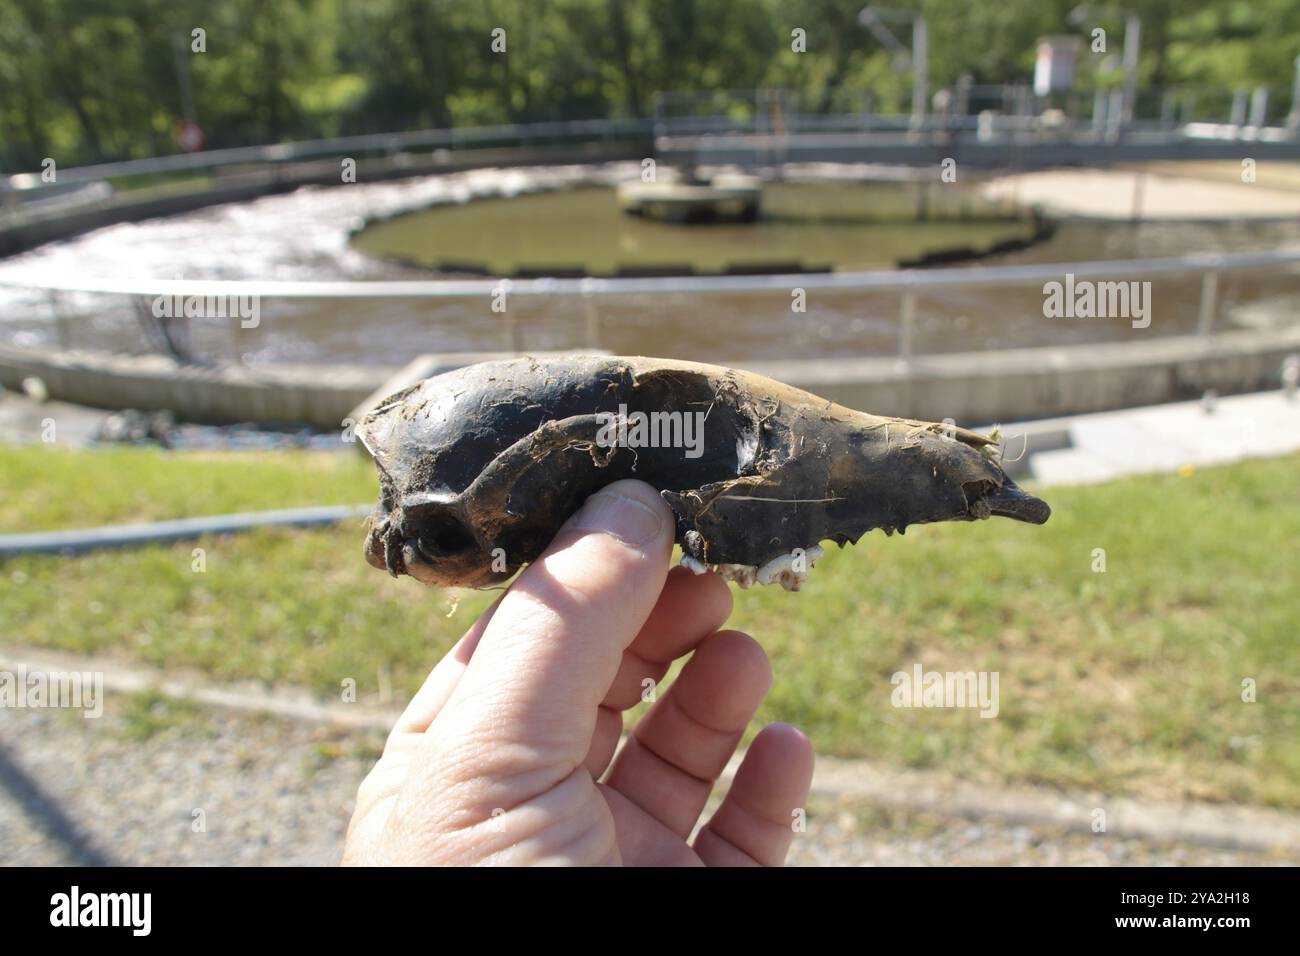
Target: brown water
x=760 y=325
x=304 y=235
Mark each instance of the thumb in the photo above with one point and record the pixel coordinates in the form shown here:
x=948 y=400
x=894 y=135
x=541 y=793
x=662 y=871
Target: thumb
x=524 y=711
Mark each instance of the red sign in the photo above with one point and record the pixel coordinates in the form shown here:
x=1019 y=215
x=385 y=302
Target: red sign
x=190 y=136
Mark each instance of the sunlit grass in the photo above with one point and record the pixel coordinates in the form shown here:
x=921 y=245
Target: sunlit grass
x=47 y=488
x=1127 y=681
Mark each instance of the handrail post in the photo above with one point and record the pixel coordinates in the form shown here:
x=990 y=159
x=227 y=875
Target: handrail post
x=907 y=316
x=591 y=315
x=1209 y=302
x=512 y=332
x=1139 y=194
x=56 y=309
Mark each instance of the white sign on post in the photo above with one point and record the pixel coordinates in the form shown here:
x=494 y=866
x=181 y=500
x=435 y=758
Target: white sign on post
x=1054 y=67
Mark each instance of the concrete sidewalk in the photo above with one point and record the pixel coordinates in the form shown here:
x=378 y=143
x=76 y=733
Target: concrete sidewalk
x=1119 y=193
x=1159 y=438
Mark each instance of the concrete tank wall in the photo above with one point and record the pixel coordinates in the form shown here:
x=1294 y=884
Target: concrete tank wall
x=1015 y=384
x=1010 y=385
x=26 y=234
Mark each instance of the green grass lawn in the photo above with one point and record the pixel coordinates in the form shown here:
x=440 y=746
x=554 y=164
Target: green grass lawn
x=1127 y=681
x=47 y=488
x=162 y=184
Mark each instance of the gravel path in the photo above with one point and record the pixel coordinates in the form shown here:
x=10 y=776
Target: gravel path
x=125 y=789
x=862 y=834
x=267 y=791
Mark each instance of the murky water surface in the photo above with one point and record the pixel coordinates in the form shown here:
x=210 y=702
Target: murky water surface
x=307 y=234
x=815 y=225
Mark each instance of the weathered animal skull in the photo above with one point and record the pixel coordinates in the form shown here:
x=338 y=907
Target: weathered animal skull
x=479 y=467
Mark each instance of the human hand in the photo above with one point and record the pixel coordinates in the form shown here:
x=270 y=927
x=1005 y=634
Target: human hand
x=498 y=756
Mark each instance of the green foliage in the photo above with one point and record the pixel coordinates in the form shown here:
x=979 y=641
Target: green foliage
x=92 y=80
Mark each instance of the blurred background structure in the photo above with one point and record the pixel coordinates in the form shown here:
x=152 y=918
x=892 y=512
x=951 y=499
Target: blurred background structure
x=226 y=229
x=114 y=80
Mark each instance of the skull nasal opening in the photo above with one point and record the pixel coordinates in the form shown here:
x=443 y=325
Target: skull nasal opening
x=437 y=531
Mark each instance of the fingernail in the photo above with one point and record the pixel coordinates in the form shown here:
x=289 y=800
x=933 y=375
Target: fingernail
x=633 y=522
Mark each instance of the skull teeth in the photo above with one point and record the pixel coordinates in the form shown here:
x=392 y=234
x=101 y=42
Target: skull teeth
x=782 y=570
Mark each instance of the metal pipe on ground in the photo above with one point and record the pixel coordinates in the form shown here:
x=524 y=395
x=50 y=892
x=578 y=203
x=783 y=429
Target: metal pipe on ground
x=82 y=540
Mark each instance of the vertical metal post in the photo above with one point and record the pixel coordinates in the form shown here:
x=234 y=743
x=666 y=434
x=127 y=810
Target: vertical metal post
x=181 y=54
x=1238 y=115
x=921 y=72
x=512 y=331
x=236 y=343
x=964 y=85
x=1115 y=116
x=56 y=310
x=593 y=320
x=1132 y=43
x=906 y=319
x=1290 y=376
x=1209 y=302
x=1293 y=117
x=1139 y=190
x=1258 y=106
x=1099 y=111
x=1167 y=109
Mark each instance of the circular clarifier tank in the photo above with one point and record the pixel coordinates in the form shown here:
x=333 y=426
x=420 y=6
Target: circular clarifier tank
x=685 y=229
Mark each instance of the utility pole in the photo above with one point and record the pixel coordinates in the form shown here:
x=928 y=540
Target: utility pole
x=1293 y=118
x=872 y=18
x=920 y=72
x=1132 y=43
x=182 y=56
x=1131 y=58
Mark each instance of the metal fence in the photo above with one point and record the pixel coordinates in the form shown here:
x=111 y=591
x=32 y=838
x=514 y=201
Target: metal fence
x=910 y=284
x=369 y=144
x=991 y=126
x=30 y=189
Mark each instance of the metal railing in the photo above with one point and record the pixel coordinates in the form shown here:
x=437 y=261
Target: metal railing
x=371 y=143
x=909 y=283
x=990 y=126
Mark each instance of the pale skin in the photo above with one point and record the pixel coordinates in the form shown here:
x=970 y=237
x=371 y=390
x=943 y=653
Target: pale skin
x=507 y=754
